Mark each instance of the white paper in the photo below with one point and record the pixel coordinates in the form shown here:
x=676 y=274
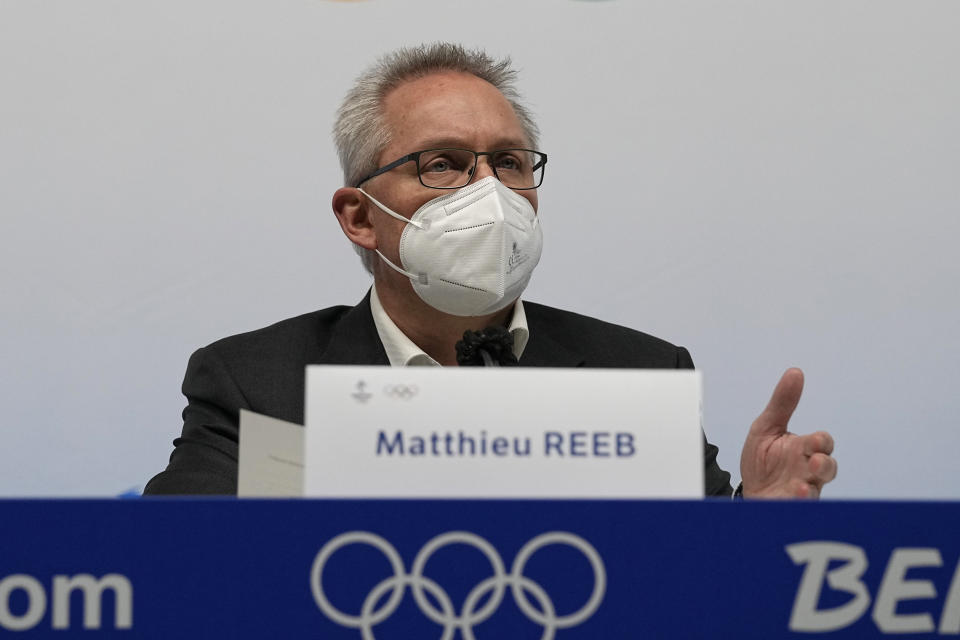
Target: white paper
x=494 y=433
x=271 y=457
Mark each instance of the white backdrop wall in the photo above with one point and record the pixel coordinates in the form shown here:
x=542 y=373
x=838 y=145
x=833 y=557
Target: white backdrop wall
x=767 y=183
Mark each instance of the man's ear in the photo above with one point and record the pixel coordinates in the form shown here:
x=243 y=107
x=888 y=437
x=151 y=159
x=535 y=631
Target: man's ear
x=353 y=212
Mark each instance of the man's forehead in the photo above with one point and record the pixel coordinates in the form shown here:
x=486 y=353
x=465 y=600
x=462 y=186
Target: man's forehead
x=439 y=81
x=433 y=140
x=451 y=109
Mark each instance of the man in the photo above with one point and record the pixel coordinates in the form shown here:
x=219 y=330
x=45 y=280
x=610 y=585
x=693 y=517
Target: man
x=442 y=165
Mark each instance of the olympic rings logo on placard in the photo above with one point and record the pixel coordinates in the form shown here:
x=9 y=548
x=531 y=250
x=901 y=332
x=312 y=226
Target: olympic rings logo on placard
x=470 y=615
x=404 y=391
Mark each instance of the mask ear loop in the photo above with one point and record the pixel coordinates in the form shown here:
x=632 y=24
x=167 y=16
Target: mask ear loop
x=390 y=212
x=421 y=278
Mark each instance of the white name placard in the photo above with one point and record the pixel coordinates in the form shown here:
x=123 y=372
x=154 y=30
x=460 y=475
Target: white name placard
x=404 y=432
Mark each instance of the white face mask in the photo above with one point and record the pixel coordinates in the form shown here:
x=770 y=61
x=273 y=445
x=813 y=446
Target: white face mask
x=472 y=252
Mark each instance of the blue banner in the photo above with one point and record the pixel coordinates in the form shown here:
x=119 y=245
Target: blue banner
x=228 y=568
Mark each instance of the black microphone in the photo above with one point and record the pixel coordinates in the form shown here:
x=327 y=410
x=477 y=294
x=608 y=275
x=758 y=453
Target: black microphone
x=490 y=347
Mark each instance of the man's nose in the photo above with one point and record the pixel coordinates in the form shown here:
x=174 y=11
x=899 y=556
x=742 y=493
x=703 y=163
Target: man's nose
x=483 y=169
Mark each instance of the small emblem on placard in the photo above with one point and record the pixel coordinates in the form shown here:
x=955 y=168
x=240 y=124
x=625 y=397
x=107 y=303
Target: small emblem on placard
x=361 y=394
x=402 y=391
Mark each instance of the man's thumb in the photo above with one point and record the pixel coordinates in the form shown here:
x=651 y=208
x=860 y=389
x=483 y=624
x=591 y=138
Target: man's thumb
x=774 y=419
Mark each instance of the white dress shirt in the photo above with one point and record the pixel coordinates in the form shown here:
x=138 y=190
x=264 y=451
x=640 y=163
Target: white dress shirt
x=402 y=352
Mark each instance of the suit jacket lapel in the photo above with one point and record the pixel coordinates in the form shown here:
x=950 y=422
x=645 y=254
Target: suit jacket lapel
x=548 y=347
x=355 y=339
x=544 y=351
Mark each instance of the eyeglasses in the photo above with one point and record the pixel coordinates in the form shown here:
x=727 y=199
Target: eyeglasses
x=454 y=168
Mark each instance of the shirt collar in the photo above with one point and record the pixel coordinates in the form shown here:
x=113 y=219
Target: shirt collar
x=402 y=352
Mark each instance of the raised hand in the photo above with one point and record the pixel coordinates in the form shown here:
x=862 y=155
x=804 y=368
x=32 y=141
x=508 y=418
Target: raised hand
x=778 y=464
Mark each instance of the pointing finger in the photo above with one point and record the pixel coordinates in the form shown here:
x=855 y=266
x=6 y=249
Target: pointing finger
x=774 y=419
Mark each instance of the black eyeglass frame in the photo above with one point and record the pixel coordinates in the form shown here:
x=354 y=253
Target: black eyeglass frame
x=415 y=156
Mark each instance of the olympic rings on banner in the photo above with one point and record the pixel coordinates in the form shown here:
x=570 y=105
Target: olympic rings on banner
x=469 y=616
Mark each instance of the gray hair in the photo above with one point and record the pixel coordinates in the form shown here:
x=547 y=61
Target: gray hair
x=360 y=133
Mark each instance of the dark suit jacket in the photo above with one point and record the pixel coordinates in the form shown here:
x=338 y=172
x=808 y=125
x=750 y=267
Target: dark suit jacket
x=263 y=371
